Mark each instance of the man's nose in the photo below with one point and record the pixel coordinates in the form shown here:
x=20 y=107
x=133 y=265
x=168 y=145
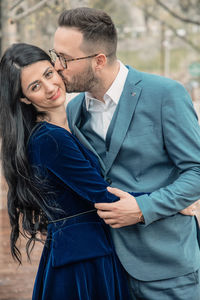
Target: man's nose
x=57 y=65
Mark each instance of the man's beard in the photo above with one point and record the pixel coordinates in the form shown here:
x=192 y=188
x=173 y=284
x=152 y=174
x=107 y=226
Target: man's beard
x=83 y=82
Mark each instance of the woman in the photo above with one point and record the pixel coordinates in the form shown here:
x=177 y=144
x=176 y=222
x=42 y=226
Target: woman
x=53 y=183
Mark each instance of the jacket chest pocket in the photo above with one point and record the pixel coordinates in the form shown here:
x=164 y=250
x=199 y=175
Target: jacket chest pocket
x=137 y=132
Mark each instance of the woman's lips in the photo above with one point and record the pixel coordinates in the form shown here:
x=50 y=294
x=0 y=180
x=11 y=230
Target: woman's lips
x=56 y=96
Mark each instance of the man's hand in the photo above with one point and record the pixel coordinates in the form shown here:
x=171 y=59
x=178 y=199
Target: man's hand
x=191 y=210
x=121 y=213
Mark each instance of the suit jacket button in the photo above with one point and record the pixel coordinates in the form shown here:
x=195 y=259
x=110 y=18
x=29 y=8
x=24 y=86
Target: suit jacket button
x=109 y=181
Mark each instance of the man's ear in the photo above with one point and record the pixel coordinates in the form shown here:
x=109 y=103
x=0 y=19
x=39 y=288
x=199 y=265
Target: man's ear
x=101 y=60
x=25 y=100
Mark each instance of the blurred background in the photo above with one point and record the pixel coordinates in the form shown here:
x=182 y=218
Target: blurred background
x=155 y=36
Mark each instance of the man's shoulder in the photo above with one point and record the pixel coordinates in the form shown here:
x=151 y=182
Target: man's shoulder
x=152 y=79
x=74 y=101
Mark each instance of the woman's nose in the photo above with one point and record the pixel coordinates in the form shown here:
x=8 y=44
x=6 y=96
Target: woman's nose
x=49 y=86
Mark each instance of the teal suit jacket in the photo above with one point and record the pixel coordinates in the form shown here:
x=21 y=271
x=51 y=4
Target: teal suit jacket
x=154 y=147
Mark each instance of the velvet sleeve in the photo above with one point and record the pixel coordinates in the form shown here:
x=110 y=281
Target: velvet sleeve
x=62 y=156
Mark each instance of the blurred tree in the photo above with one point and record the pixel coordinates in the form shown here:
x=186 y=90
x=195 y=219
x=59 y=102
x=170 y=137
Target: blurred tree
x=187 y=11
x=18 y=10
x=11 y=13
x=28 y=21
x=181 y=17
x=8 y=30
x=118 y=10
x=19 y=21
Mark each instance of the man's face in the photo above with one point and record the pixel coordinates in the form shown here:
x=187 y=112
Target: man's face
x=79 y=75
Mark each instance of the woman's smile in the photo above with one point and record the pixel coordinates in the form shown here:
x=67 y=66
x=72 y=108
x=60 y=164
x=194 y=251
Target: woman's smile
x=56 y=95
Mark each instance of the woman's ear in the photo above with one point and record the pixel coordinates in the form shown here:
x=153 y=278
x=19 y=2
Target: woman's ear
x=25 y=100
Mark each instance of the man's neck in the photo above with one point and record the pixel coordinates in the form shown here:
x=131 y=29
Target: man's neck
x=105 y=81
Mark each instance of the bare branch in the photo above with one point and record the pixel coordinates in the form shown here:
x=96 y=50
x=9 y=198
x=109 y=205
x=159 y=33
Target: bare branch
x=175 y=15
x=187 y=41
x=29 y=11
x=16 y=4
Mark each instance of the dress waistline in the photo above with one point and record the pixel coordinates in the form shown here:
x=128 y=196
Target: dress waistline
x=73 y=216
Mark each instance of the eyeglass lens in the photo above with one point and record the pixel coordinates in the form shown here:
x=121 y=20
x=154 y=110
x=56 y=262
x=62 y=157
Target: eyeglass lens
x=54 y=56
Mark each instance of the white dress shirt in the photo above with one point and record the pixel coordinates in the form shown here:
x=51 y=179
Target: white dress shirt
x=102 y=112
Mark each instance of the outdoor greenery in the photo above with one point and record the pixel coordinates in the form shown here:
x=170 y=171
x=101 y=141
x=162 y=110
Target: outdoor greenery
x=154 y=35
x=153 y=64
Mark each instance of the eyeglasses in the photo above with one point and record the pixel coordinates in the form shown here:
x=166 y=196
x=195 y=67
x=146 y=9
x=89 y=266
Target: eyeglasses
x=54 y=55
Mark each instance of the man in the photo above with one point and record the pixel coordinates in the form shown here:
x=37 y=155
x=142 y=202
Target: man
x=145 y=132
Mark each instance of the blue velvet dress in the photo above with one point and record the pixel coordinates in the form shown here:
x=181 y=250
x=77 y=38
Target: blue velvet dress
x=78 y=261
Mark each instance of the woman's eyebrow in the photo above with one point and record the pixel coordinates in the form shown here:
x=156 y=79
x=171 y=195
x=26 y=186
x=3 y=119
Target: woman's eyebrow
x=38 y=80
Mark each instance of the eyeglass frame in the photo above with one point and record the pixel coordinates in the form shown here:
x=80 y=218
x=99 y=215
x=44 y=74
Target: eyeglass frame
x=65 y=60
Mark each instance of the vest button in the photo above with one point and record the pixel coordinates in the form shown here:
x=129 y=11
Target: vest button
x=109 y=181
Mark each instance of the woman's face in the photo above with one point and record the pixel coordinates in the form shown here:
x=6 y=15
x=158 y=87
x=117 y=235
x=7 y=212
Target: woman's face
x=42 y=86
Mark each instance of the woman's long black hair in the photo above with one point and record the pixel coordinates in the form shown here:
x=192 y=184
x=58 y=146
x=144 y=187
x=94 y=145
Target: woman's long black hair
x=25 y=200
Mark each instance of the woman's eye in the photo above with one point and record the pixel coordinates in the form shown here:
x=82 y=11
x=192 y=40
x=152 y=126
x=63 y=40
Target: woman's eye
x=49 y=74
x=35 y=87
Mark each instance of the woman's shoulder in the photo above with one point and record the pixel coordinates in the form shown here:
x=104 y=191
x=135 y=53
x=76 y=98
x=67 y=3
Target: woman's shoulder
x=45 y=131
x=50 y=139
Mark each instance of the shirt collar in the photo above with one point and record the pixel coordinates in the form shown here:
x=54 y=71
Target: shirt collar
x=115 y=90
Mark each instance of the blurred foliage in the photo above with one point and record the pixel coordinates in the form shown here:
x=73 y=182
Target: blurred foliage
x=148 y=30
x=175 y=15
x=116 y=9
x=152 y=64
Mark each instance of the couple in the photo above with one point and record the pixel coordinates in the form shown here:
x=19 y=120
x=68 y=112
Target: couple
x=146 y=136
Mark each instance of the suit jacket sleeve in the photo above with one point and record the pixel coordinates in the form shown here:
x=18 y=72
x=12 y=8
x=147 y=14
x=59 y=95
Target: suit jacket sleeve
x=181 y=135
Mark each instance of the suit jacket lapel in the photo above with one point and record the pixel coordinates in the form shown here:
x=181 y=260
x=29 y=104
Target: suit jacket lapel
x=124 y=114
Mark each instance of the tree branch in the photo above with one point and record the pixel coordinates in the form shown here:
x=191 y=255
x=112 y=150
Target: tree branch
x=189 y=42
x=29 y=11
x=16 y=4
x=175 y=15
